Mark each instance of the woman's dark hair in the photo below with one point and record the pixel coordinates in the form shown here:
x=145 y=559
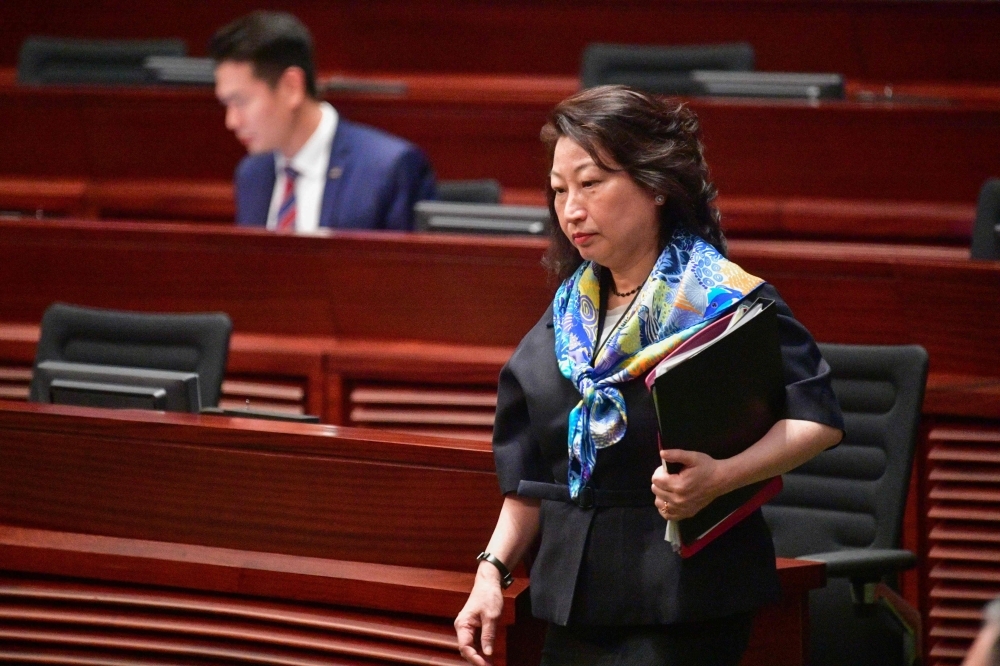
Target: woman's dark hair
x=270 y=41
x=657 y=143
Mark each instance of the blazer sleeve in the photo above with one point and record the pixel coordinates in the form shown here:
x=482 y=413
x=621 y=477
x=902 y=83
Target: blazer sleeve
x=809 y=392
x=521 y=421
x=412 y=181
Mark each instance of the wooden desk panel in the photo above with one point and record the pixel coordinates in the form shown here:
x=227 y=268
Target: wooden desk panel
x=388 y=286
x=317 y=491
x=891 y=41
x=936 y=150
x=480 y=291
x=189 y=526
x=71 y=595
x=843 y=292
x=211 y=201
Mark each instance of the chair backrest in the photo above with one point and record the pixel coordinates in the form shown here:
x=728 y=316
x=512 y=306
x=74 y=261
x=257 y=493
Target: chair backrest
x=853 y=495
x=660 y=68
x=486 y=190
x=184 y=342
x=52 y=60
x=986 y=232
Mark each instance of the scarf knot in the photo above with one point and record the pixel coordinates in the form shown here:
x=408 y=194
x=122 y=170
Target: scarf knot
x=690 y=284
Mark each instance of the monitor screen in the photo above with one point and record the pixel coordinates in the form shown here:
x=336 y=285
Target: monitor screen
x=66 y=383
x=458 y=217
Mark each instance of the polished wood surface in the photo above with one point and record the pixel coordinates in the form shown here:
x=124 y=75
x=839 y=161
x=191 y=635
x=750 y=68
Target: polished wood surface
x=843 y=292
x=887 y=40
x=211 y=201
x=904 y=148
x=353 y=285
x=481 y=291
x=320 y=491
x=234 y=539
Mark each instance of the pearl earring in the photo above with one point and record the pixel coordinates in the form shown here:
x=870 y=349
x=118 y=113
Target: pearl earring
x=659 y=199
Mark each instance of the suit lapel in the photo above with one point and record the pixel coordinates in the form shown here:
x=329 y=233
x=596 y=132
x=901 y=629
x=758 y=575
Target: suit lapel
x=255 y=196
x=335 y=175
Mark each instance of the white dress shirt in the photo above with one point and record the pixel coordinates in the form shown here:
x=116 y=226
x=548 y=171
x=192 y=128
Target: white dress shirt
x=311 y=163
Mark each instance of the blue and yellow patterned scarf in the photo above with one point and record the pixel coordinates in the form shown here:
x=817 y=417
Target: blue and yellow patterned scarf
x=690 y=284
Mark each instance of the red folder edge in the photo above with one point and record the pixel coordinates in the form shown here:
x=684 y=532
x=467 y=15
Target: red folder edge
x=764 y=495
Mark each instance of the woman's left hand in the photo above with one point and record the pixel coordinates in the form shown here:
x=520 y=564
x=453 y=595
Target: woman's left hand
x=684 y=494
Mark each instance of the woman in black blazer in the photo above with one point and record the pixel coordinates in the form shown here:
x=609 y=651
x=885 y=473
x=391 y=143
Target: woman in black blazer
x=641 y=257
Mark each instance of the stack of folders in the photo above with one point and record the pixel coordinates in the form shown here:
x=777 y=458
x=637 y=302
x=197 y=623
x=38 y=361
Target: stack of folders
x=718 y=393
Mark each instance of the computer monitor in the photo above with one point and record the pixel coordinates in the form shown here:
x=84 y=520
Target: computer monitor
x=479 y=218
x=88 y=385
x=791 y=85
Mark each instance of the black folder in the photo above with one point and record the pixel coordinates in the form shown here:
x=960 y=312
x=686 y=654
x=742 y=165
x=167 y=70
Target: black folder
x=719 y=400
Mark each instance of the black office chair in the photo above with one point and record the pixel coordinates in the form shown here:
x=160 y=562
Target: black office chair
x=845 y=507
x=59 y=61
x=660 y=69
x=486 y=190
x=184 y=342
x=986 y=232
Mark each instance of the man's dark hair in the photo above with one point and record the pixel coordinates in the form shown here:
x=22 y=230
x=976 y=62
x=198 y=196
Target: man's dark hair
x=656 y=142
x=270 y=41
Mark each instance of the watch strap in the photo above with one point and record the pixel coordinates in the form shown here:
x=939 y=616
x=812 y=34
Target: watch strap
x=506 y=577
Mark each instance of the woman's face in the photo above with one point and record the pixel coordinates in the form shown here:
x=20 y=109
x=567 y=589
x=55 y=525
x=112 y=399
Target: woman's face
x=605 y=214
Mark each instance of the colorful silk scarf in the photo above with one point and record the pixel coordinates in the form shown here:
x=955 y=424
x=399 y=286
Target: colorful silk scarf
x=690 y=284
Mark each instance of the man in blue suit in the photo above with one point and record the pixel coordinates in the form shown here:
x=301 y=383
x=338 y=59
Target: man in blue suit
x=307 y=167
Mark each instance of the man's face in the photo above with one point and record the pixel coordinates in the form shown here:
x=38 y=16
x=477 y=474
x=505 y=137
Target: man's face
x=260 y=116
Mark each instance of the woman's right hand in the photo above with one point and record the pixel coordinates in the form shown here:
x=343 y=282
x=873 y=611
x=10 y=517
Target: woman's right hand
x=480 y=616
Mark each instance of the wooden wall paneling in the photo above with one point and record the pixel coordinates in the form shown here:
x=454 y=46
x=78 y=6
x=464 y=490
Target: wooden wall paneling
x=115 y=132
x=743 y=217
x=284 y=371
x=951 y=340
x=162 y=199
x=923 y=152
x=17 y=356
x=106 y=550
x=290 y=285
x=441 y=409
x=83 y=596
x=119 y=598
x=14 y=380
x=964 y=533
x=975 y=396
x=831 y=286
x=893 y=41
x=854 y=219
x=34 y=196
x=465 y=138
x=335 y=406
x=919 y=150
x=317 y=491
x=453 y=291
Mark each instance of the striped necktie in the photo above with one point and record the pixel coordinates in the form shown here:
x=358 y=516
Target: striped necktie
x=286 y=212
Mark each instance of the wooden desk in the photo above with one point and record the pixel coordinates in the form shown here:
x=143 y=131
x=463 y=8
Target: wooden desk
x=232 y=539
x=774 y=217
x=343 y=356
x=873 y=39
x=470 y=290
x=917 y=149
